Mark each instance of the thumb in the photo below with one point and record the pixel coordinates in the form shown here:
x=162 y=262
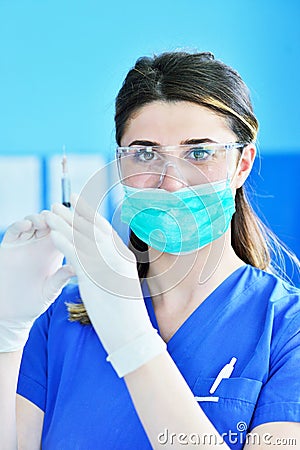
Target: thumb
x=55 y=283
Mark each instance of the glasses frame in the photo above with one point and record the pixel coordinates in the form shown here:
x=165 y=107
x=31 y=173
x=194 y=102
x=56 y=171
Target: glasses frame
x=169 y=149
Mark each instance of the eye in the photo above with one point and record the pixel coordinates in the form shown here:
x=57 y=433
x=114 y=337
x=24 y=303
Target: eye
x=145 y=155
x=199 y=154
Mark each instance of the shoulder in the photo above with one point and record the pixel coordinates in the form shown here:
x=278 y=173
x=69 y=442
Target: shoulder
x=271 y=288
x=266 y=301
x=262 y=293
x=279 y=299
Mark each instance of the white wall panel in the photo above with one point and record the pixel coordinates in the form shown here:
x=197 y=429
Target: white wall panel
x=20 y=189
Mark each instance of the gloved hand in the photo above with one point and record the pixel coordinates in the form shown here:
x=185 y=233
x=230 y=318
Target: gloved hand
x=31 y=278
x=108 y=284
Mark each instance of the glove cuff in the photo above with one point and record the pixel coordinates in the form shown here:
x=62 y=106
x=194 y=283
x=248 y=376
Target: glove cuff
x=12 y=336
x=136 y=353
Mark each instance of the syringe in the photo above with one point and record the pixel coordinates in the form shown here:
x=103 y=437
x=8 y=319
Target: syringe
x=65 y=181
x=66 y=192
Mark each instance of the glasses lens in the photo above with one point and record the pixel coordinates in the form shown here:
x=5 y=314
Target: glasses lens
x=146 y=167
x=203 y=165
x=140 y=167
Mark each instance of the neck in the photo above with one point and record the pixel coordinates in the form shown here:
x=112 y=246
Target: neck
x=180 y=276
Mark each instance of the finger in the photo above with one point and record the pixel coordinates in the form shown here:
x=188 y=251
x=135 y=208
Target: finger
x=56 y=223
x=27 y=235
x=82 y=208
x=38 y=221
x=15 y=230
x=55 y=283
x=42 y=233
x=76 y=221
x=81 y=241
x=87 y=225
x=40 y=225
x=66 y=213
x=101 y=231
x=65 y=247
x=84 y=235
x=83 y=227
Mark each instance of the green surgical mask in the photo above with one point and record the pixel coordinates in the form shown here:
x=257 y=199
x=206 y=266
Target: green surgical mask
x=181 y=221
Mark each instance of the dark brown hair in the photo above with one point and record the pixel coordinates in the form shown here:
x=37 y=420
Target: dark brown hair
x=200 y=79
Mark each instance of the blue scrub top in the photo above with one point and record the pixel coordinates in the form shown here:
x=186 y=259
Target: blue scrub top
x=252 y=316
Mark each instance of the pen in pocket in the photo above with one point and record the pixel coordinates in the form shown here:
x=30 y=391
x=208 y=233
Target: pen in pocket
x=225 y=372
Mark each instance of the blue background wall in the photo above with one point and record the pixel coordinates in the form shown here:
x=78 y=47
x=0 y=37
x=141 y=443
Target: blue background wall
x=62 y=62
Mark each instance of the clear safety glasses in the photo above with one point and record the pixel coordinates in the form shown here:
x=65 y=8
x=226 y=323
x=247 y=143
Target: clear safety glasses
x=147 y=167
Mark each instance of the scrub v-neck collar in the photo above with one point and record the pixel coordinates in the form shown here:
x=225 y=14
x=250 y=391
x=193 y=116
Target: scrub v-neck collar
x=205 y=313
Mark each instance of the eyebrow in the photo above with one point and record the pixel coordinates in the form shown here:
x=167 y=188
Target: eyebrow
x=145 y=143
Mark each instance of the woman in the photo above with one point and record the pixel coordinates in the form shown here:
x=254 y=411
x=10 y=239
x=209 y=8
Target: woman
x=225 y=359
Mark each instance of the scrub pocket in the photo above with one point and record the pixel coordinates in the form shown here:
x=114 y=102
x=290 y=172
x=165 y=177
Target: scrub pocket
x=231 y=406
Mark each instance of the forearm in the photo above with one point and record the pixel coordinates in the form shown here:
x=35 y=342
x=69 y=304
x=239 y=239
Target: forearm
x=164 y=401
x=9 y=371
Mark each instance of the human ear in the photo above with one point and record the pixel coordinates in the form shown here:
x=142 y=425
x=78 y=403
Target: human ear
x=244 y=166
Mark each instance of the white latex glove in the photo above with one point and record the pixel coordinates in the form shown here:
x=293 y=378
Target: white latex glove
x=31 y=278
x=108 y=284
